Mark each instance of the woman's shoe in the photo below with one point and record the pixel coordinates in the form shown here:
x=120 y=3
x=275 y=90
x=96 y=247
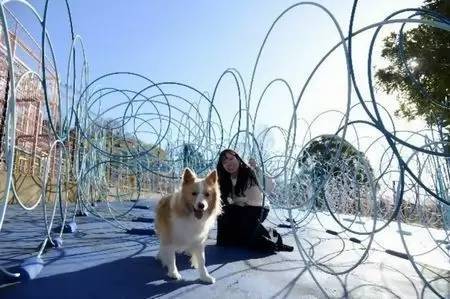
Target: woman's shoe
x=284 y=247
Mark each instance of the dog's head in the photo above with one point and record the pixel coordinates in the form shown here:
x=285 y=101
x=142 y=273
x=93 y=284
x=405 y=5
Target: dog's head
x=201 y=195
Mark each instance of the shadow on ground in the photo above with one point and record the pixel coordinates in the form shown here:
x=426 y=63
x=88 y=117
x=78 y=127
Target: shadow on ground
x=132 y=277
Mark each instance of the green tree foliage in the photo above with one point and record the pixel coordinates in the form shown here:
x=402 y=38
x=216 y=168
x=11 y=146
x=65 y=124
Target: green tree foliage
x=319 y=160
x=193 y=158
x=320 y=155
x=427 y=59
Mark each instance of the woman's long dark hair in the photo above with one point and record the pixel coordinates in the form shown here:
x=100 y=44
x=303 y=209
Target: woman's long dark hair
x=245 y=179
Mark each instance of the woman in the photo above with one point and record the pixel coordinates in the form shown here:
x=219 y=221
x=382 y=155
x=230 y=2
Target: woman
x=243 y=211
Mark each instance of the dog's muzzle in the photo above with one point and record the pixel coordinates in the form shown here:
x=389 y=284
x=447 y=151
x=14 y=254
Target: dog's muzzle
x=199 y=210
x=198 y=213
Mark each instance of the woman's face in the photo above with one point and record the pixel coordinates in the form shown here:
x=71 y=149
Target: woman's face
x=231 y=164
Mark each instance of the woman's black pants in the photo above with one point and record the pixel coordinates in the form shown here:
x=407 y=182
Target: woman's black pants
x=241 y=226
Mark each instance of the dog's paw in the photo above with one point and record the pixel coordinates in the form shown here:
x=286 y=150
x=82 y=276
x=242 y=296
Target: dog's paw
x=175 y=275
x=208 y=279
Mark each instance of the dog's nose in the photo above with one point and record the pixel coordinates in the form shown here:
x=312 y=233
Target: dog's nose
x=201 y=206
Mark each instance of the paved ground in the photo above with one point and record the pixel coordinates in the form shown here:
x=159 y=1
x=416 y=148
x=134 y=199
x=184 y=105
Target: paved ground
x=101 y=260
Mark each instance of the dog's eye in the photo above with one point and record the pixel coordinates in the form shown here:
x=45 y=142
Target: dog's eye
x=206 y=194
x=194 y=193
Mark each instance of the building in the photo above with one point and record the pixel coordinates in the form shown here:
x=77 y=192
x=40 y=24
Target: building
x=33 y=132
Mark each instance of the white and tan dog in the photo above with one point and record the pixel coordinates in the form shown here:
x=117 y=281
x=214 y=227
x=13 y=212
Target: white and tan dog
x=184 y=219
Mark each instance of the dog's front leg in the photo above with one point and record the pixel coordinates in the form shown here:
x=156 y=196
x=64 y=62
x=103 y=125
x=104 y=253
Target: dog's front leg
x=170 y=262
x=199 y=256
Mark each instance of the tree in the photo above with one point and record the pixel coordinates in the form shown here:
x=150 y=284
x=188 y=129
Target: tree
x=318 y=160
x=193 y=158
x=419 y=70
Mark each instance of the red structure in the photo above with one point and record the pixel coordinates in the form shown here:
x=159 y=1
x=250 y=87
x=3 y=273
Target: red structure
x=33 y=134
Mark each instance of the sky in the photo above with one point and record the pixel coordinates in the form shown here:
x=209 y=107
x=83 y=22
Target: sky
x=195 y=42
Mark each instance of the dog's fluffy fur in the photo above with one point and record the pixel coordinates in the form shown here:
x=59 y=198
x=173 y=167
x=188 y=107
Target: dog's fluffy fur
x=184 y=219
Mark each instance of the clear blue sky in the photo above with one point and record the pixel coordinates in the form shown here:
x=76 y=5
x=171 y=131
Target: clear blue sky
x=195 y=41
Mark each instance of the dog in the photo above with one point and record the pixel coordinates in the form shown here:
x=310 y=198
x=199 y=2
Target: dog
x=184 y=219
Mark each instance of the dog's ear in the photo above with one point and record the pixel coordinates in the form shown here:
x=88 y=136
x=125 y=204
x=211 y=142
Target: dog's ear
x=212 y=177
x=188 y=176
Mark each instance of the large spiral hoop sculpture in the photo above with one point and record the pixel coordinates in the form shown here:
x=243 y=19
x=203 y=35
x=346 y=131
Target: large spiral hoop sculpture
x=113 y=145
